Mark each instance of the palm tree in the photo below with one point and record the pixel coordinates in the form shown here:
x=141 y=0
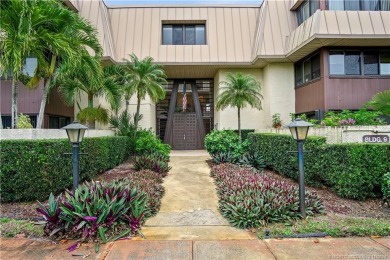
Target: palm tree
x=238 y=91
x=381 y=102
x=90 y=78
x=74 y=33
x=147 y=77
x=15 y=41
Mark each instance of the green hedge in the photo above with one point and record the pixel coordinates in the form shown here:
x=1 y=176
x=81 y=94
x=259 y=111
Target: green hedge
x=245 y=133
x=31 y=169
x=352 y=170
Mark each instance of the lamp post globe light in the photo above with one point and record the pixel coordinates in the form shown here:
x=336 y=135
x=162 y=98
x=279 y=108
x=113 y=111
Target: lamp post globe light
x=75 y=132
x=299 y=130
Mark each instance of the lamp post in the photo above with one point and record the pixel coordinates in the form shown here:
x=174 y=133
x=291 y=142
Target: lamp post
x=75 y=132
x=299 y=130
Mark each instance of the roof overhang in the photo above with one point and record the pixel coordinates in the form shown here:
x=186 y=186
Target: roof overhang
x=201 y=70
x=338 y=28
x=318 y=41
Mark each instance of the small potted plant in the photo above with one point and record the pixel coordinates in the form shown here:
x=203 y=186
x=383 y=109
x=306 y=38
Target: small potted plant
x=276 y=121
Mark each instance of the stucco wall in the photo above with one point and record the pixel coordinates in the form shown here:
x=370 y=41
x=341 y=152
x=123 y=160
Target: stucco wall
x=227 y=118
x=350 y=134
x=8 y=134
x=277 y=81
x=279 y=91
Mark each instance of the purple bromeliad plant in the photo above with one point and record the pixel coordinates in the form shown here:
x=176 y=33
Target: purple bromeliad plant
x=96 y=210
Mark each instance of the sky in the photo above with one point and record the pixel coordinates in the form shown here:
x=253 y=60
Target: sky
x=179 y=2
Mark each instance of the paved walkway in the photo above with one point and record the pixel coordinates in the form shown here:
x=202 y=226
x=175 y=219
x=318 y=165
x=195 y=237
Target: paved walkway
x=189 y=209
x=189 y=226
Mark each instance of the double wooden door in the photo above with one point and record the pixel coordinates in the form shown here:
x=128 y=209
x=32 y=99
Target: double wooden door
x=184 y=131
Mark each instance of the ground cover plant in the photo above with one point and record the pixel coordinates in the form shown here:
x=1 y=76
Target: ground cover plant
x=249 y=199
x=102 y=211
x=351 y=170
x=95 y=210
x=154 y=162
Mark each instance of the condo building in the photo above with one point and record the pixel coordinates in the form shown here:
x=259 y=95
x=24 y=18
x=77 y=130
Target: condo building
x=309 y=56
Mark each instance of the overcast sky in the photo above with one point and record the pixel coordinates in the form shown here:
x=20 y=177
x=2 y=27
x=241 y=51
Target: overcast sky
x=179 y=2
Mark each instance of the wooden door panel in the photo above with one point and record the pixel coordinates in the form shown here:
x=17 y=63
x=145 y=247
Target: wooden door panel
x=184 y=131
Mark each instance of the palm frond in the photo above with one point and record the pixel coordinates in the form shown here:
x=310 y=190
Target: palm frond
x=381 y=102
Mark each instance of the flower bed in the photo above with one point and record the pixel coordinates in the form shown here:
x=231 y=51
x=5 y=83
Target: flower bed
x=103 y=211
x=248 y=199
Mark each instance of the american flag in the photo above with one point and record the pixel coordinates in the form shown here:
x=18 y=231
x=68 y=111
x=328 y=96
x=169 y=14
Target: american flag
x=184 y=97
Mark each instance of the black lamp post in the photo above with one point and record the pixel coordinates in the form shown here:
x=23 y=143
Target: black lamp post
x=75 y=133
x=299 y=130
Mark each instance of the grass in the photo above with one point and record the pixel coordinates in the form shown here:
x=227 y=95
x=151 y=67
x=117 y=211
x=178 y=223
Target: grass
x=333 y=225
x=11 y=227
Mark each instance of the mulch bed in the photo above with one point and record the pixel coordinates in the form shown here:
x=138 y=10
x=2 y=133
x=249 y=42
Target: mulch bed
x=27 y=210
x=334 y=204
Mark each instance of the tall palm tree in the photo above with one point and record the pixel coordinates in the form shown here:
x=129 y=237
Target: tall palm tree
x=147 y=78
x=239 y=91
x=16 y=39
x=90 y=78
x=381 y=102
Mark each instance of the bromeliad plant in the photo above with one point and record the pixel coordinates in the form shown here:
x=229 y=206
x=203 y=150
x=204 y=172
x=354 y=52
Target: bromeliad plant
x=95 y=211
x=248 y=199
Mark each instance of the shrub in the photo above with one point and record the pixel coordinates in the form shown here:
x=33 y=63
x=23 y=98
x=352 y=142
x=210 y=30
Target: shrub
x=147 y=143
x=31 y=169
x=244 y=133
x=95 y=210
x=347 y=117
x=154 y=162
x=248 y=199
x=24 y=122
x=352 y=170
x=225 y=141
x=386 y=188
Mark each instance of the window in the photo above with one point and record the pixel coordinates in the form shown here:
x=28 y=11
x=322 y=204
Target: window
x=359 y=62
x=57 y=122
x=307 y=70
x=371 y=63
x=385 y=63
x=307 y=9
x=352 y=63
x=359 y=5
x=183 y=34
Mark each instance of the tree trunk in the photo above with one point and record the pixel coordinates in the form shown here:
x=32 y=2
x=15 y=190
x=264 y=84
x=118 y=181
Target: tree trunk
x=14 y=113
x=46 y=91
x=90 y=124
x=239 y=122
x=136 y=116
x=41 y=114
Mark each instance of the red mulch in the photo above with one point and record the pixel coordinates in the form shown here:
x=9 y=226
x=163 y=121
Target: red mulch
x=27 y=210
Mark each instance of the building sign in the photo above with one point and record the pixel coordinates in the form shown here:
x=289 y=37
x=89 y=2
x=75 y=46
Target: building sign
x=376 y=139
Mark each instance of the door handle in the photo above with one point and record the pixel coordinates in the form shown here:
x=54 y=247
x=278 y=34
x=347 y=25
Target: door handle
x=184 y=136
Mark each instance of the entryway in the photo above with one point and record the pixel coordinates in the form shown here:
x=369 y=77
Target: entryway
x=186 y=114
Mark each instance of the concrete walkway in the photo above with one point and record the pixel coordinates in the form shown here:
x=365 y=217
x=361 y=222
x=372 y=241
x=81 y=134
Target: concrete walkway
x=189 y=209
x=189 y=226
